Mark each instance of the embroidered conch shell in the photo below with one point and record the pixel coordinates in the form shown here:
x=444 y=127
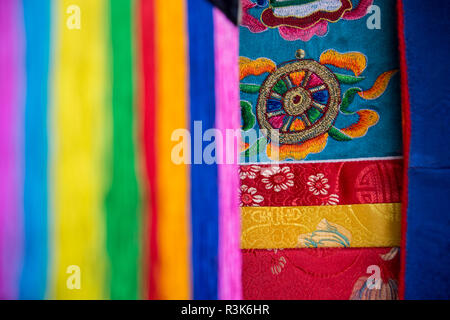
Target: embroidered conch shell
x=388 y=290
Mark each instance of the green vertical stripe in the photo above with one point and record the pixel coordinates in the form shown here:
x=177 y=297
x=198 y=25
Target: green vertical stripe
x=122 y=202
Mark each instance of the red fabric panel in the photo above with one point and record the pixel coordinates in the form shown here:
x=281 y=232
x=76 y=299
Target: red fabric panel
x=349 y=182
x=316 y=274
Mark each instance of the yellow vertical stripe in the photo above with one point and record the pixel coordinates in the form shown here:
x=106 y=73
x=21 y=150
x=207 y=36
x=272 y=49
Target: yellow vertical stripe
x=171 y=109
x=80 y=134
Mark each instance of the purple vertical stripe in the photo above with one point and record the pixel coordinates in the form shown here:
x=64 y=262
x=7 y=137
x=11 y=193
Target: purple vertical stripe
x=228 y=117
x=11 y=108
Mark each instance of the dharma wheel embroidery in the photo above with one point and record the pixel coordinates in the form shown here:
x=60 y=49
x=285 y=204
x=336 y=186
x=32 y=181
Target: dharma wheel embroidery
x=300 y=99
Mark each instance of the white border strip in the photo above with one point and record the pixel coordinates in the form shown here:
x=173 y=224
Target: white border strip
x=321 y=161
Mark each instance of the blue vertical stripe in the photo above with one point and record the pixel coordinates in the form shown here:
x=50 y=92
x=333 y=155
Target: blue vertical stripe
x=204 y=192
x=37 y=27
x=428 y=215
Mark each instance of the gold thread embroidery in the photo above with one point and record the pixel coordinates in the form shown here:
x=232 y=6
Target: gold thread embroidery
x=331 y=110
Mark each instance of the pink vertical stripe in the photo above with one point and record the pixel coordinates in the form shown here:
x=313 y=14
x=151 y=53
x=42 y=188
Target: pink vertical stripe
x=11 y=108
x=226 y=46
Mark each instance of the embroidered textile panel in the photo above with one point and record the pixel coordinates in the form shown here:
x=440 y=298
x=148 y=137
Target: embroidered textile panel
x=324 y=76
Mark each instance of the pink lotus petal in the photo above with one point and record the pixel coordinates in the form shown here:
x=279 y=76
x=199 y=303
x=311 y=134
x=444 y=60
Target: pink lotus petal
x=249 y=21
x=358 y=12
x=290 y=33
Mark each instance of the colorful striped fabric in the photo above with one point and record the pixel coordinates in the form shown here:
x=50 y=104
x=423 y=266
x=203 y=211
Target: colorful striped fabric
x=94 y=206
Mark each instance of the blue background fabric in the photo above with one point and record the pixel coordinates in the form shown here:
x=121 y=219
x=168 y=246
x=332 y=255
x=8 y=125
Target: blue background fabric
x=427 y=240
x=204 y=190
x=34 y=273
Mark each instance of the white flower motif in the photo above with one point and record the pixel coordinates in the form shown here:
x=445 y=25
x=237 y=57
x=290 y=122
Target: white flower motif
x=278 y=178
x=249 y=171
x=318 y=184
x=333 y=199
x=249 y=198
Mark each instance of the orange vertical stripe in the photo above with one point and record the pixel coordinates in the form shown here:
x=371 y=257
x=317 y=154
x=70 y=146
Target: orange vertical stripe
x=172 y=185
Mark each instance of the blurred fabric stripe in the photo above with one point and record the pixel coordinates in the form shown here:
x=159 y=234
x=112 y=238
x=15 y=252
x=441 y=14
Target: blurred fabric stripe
x=11 y=146
x=81 y=136
x=122 y=202
x=172 y=187
x=35 y=263
x=204 y=195
x=226 y=49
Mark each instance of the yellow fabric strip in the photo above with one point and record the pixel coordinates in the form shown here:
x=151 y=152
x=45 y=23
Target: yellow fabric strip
x=171 y=114
x=80 y=132
x=357 y=225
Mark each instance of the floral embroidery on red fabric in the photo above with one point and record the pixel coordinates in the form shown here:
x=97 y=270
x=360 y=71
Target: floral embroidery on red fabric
x=249 y=197
x=249 y=171
x=331 y=183
x=278 y=178
x=318 y=184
